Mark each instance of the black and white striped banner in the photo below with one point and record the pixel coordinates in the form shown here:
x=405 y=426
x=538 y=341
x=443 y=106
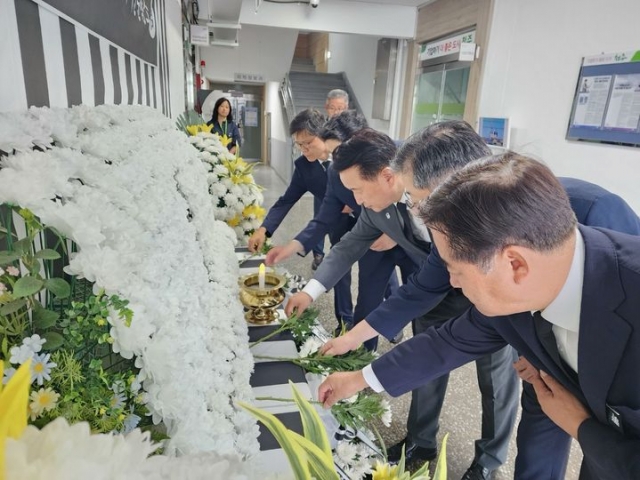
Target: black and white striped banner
x=50 y=59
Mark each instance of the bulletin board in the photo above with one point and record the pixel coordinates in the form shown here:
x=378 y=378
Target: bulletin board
x=606 y=103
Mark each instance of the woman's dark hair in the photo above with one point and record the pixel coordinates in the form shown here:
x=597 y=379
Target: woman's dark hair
x=503 y=200
x=343 y=126
x=369 y=150
x=214 y=118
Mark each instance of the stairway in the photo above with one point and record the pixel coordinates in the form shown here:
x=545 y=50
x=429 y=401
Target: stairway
x=309 y=89
x=300 y=64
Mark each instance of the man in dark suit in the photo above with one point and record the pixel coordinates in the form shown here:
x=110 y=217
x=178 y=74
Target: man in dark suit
x=364 y=167
x=564 y=295
x=376 y=266
x=423 y=162
x=309 y=175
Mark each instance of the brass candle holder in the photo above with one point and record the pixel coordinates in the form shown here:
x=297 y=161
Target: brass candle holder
x=261 y=303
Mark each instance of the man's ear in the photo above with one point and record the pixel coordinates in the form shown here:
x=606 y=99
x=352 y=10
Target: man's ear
x=518 y=263
x=387 y=175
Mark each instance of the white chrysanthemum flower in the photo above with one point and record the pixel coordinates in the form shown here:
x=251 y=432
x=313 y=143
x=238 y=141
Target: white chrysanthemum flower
x=310 y=346
x=386 y=416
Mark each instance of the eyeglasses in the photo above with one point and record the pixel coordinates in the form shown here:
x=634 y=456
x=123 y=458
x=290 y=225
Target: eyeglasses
x=408 y=201
x=304 y=145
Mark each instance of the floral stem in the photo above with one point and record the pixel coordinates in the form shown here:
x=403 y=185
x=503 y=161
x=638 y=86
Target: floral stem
x=383 y=447
x=278 y=399
x=267 y=337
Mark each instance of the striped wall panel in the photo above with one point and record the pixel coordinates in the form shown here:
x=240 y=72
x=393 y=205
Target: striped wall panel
x=51 y=60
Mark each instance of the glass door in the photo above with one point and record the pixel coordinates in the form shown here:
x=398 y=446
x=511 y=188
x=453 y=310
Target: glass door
x=440 y=94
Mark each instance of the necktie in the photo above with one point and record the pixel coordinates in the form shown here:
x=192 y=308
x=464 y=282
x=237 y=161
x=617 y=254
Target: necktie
x=325 y=164
x=544 y=332
x=407 y=228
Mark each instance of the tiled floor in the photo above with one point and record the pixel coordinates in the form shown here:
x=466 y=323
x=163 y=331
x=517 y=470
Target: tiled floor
x=461 y=412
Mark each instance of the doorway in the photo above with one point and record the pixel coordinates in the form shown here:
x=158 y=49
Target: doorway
x=440 y=94
x=247 y=108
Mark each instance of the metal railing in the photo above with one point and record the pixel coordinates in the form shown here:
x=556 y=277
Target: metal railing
x=289 y=108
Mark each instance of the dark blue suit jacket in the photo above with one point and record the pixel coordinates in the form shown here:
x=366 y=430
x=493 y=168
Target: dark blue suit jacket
x=593 y=206
x=307 y=177
x=608 y=352
x=335 y=198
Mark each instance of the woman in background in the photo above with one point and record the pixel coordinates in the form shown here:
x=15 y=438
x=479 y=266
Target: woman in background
x=222 y=121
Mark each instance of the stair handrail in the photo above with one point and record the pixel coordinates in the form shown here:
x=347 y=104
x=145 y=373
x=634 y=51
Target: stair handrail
x=353 y=100
x=289 y=109
x=287 y=98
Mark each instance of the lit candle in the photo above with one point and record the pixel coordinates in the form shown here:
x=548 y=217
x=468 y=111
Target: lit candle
x=261 y=272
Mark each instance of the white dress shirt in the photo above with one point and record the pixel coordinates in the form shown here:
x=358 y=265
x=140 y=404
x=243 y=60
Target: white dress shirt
x=563 y=313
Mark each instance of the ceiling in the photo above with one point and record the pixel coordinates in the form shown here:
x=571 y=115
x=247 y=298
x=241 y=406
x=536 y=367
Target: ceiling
x=229 y=11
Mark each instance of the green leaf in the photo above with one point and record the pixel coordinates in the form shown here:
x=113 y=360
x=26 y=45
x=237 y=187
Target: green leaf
x=47 y=254
x=26 y=286
x=8 y=257
x=12 y=306
x=23 y=246
x=311 y=423
x=54 y=340
x=295 y=453
x=321 y=466
x=5 y=347
x=58 y=286
x=441 y=466
x=43 y=318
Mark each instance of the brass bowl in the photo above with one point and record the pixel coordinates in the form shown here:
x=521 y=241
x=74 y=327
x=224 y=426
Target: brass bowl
x=261 y=303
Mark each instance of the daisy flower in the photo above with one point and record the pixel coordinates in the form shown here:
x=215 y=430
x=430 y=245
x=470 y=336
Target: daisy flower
x=43 y=400
x=41 y=368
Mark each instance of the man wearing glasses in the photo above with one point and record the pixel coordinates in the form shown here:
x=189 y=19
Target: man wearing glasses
x=309 y=175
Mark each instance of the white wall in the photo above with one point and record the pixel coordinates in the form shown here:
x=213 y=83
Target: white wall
x=176 y=58
x=280 y=150
x=356 y=56
x=263 y=50
x=531 y=70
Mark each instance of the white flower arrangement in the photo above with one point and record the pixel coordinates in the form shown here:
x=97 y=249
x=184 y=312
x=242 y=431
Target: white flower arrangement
x=236 y=197
x=127 y=187
x=70 y=452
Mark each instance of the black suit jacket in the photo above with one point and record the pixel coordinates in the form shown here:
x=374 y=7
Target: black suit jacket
x=608 y=352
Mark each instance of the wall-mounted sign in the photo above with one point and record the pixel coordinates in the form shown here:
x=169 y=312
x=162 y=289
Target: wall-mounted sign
x=446 y=46
x=248 y=77
x=200 y=35
x=467 y=52
x=251 y=116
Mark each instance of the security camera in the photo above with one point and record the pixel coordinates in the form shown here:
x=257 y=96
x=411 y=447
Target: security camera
x=314 y=3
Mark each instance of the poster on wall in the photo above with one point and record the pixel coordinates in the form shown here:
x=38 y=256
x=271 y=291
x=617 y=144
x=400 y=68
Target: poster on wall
x=606 y=104
x=130 y=24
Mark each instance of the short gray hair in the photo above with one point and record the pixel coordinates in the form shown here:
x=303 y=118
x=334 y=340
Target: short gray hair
x=502 y=200
x=435 y=152
x=338 y=93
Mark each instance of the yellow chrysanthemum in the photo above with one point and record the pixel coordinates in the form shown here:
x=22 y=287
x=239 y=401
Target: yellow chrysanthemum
x=195 y=129
x=384 y=471
x=224 y=140
x=235 y=221
x=254 y=211
x=42 y=401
